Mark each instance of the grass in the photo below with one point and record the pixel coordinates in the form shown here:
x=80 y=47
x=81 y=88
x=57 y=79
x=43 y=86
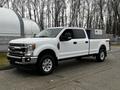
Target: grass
x=3 y=61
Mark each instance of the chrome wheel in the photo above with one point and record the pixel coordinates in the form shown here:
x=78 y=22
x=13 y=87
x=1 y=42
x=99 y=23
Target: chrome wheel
x=102 y=55
x=47 y=65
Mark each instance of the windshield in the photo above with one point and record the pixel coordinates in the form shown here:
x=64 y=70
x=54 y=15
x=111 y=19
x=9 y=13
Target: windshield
x=50 y=33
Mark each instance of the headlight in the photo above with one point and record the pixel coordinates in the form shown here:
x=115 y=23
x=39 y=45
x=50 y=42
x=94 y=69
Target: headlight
x=30 y=49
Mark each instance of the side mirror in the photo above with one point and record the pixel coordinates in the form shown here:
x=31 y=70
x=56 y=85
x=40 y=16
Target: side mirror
x=34 y=35
x=66 y=37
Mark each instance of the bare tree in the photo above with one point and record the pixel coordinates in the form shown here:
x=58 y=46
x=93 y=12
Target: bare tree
x=3 y=2
x=102 y=14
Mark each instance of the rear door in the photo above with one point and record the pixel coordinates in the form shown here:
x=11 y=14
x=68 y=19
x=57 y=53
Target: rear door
x=82 y=43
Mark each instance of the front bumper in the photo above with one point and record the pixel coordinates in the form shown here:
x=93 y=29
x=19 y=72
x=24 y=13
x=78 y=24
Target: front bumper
x=21 y=60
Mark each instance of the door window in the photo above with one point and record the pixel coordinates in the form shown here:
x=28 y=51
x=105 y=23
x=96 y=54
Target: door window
x=74 y=33
x=78 y=33
x=67 y=32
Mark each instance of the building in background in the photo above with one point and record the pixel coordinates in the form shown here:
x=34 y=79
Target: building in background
x=12 y=26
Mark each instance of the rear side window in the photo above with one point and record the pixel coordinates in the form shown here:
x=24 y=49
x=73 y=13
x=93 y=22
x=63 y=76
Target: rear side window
x=78 y=33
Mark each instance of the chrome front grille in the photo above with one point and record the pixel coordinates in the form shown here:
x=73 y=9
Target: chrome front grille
x=17 y=49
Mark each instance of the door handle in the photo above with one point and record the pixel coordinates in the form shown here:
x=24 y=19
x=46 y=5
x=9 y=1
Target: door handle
x=74 y=42
x=86 y=41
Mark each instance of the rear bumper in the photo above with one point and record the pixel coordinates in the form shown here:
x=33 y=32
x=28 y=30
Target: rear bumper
x=21 y=60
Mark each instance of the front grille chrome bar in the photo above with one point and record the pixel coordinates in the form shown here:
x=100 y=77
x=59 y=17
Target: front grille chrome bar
x=17 y=49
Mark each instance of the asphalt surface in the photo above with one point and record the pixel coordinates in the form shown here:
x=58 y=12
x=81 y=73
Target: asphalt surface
x=85 y=74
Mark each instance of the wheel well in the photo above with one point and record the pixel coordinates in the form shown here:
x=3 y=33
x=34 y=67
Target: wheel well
x=49 y=51
x=103 y=47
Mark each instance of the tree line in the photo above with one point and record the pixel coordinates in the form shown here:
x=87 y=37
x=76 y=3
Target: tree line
x=100 y=14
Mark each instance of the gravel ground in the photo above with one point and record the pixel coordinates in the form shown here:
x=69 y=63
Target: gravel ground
x=85 y=74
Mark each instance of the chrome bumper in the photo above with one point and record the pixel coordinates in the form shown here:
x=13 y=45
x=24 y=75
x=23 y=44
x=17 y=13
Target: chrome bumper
x=22 y=60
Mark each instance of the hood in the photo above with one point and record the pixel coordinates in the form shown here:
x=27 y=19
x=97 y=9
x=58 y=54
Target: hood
x=30 y=40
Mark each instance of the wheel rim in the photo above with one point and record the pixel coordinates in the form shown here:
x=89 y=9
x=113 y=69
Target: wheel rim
x=102 y=55
x=47 y=65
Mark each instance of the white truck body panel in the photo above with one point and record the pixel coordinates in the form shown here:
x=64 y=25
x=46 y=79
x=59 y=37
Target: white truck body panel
x=41 y=44
x=68 y=49
x=95 y=45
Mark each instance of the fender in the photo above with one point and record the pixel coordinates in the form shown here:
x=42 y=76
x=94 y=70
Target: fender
x=41 y=48
x=102 y=43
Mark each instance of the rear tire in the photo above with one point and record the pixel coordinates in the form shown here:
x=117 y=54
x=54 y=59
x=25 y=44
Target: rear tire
x=78 y=58
x=100 y=57
x=46 y=64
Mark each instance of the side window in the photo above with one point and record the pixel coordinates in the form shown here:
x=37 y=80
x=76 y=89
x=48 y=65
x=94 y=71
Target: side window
x=78 y=33
x=68 y=31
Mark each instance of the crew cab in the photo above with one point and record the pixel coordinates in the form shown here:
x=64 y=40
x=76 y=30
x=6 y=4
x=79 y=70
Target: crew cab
x=52 y=45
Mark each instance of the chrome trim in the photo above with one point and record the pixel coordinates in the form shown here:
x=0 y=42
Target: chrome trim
x=17 y=47
x=14 y=57
x=33 y=60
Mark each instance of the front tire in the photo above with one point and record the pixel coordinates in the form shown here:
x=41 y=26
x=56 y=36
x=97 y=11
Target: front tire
x=46 y=64
x=100 y=57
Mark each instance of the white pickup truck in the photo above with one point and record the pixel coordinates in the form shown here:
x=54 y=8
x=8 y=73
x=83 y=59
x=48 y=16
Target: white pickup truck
x=56 y=44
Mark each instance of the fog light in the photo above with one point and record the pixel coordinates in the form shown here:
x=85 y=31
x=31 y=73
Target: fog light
x=27 y=60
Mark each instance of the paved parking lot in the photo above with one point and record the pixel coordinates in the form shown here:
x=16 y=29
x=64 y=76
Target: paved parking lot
x=85 y=74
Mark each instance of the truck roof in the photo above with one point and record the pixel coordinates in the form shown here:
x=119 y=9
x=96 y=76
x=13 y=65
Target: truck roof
x=67 y=27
